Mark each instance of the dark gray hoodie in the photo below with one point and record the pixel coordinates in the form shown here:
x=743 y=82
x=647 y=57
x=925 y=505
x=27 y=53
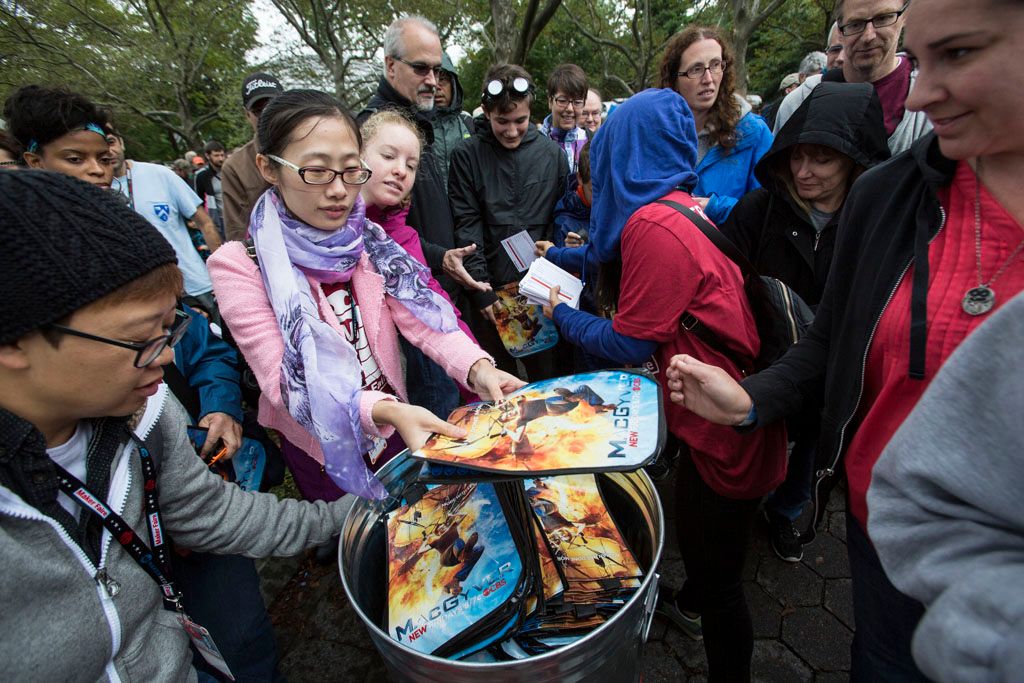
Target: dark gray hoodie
x=451 y=124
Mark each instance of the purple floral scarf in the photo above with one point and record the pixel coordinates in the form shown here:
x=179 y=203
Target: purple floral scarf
x=320 y=373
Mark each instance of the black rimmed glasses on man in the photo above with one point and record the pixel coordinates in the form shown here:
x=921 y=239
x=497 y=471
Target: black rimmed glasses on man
x=857 y=26
x=421 y=69
x=318 y=175
x=145 y=352
x=696 y=71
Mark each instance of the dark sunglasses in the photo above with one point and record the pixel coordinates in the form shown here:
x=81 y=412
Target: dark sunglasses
x=145 y=352
x=421 y=69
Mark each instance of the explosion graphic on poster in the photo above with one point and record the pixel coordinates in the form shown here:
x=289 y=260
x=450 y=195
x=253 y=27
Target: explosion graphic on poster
x=451 y=562
x=608 y=420
x=578 y=527
x=523 y=328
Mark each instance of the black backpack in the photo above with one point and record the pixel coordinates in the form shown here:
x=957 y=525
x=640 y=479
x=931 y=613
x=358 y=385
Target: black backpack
x=781 y=315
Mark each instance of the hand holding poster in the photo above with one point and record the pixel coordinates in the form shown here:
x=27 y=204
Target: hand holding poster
x=595 y=421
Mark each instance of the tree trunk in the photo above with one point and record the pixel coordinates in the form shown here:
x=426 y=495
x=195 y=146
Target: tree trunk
x=747 y=16
x=505 y=34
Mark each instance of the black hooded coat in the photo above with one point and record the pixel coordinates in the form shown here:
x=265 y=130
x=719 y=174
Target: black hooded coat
x=768 y=225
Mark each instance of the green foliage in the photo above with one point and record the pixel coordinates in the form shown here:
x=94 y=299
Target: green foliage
x=169 y=69
x=801 y=26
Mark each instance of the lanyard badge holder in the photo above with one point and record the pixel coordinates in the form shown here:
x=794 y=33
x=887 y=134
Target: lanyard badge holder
x=154 y=560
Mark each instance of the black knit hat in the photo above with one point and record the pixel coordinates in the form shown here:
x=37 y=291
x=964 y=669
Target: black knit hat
x=64 y=244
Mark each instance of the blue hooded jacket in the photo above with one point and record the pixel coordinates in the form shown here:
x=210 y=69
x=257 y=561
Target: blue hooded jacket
x=641 y=154
x=726 y=176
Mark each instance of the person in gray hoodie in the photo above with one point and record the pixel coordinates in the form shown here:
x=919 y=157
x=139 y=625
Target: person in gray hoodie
x=945 y=513
x=96 y=468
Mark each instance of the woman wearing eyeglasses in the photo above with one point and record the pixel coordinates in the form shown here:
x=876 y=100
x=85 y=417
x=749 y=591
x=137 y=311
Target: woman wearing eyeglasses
x=731 y=139
x=318 y=307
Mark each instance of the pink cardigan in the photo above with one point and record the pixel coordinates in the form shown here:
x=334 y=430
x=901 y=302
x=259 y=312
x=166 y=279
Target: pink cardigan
x=238 y=286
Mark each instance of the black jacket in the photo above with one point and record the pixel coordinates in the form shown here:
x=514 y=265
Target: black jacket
x=429 y=212
x=890 y=217
x=497 y=192
x=771 y=229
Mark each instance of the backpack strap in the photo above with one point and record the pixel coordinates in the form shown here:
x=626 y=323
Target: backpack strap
x=716 y=237
x=250 y=250
x=688 y=321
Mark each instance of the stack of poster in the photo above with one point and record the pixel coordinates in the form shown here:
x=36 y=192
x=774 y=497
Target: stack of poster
x=504 y=547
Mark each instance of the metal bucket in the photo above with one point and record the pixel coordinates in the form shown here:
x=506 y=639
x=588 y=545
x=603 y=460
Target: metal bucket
x=610 y=653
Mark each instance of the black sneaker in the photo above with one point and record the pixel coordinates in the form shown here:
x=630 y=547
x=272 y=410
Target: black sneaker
x=784 y=537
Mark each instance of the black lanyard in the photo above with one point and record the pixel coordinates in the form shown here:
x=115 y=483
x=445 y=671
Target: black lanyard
x=155 y=562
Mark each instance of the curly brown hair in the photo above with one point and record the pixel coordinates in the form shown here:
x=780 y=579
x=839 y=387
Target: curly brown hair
x=725 y=112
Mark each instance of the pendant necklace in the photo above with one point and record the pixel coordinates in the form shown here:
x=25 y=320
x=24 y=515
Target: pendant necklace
x=980 y=300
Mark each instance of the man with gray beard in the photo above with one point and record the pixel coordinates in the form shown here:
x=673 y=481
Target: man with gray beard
x=412 y=63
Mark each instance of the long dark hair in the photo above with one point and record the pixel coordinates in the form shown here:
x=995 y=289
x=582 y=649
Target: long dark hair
x=725 y=112
x=609 y=283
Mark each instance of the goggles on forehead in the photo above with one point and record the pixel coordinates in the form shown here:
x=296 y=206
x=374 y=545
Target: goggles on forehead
x=497 y=87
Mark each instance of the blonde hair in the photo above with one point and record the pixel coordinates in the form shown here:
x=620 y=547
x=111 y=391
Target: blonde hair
x=386 y=117
x=372 y=127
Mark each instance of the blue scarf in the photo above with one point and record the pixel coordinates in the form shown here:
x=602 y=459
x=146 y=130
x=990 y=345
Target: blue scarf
x=320 y=374
x=638 y=156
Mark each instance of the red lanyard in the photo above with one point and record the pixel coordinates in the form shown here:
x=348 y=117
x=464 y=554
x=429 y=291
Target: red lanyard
x=154 y=561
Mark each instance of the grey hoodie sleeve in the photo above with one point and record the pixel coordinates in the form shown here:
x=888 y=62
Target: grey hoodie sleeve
x=945 y=512
x=203 y=512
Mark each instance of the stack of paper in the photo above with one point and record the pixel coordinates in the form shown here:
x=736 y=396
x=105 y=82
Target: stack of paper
x=542 y=276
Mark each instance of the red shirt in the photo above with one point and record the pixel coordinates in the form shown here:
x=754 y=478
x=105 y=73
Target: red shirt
x=892 y=91
x=669 y=267
x=889 y=393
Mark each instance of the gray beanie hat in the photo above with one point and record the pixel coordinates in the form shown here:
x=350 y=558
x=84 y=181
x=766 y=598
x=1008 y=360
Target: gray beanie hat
x=64 y=244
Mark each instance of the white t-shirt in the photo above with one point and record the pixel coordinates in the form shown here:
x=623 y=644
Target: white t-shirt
x=166 y=201
x=71 y=456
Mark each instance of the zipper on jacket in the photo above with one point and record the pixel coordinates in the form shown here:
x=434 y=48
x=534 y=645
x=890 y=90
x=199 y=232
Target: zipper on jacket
x=104 y=579
x=821 y=475
x=787 y=302
x=817 y=238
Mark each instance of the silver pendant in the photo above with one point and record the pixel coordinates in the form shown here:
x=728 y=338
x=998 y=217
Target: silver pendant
x=979 y=300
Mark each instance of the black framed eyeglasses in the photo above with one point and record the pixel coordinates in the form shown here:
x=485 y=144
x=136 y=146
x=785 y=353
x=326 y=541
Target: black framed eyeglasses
x=145 y=352
x=421 y=69
x=565 y=102
x=696 y=71
x=318 y=175
x=853 y=28
x=833 y=49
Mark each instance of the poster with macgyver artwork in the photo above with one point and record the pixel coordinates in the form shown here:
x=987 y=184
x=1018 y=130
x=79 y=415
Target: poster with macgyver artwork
x=590 y=422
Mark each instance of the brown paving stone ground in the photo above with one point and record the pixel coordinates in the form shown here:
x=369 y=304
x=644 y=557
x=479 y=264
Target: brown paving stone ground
x=801 y=612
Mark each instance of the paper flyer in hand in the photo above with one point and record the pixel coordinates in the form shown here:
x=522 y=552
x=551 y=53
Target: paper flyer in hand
x=521 y=325
x=451 y=563
x=596 y=421
x=542 y=276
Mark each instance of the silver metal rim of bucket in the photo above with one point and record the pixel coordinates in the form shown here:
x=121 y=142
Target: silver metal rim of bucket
x=645 y=592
